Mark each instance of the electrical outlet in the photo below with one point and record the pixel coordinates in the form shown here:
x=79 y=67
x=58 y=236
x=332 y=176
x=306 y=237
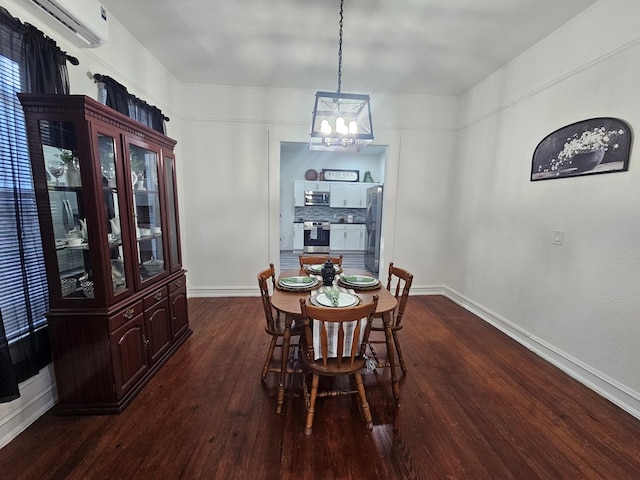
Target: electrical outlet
x=558 y=237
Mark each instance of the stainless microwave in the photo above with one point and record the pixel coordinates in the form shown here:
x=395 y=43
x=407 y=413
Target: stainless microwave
x=312 y=197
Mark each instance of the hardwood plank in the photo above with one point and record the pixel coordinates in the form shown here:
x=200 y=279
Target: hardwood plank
x=475 y=404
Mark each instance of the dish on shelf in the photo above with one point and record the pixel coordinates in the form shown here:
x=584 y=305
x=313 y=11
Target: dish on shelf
x=344 y=300
x=87 y=288
x=68 y=286
x=153 y=266
x=117 y=272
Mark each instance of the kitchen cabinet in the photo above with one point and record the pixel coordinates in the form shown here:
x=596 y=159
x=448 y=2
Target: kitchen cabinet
x=298 y=236
x=349 y=194
x=317 y=186
x=346 y=237
x=298 y=193
x=106 y=197
x=345 y=195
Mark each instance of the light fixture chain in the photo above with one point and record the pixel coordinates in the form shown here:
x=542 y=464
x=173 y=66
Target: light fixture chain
x=340 y=48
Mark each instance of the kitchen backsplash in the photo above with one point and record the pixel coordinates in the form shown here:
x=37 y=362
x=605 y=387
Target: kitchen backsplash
x=331 y=214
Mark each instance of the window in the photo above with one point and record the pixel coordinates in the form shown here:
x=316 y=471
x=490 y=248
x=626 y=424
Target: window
x=19 y=229
x=29 y=62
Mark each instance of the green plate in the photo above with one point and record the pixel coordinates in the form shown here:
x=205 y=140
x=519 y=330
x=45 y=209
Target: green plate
x=298 y=281
x=360 y=280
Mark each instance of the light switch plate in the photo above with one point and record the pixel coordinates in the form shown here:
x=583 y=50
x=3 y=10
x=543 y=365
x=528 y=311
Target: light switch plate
x=558 y=237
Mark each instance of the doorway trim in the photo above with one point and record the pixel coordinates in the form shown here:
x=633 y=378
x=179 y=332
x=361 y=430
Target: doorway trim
x=389 y=208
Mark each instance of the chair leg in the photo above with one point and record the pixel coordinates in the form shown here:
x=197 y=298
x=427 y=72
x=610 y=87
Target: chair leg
x=363 y=400
x=399 y=350
x=272 y=347
x=311 y=408
x=374 y=355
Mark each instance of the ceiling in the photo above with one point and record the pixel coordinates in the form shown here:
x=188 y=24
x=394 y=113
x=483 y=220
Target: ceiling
x=439 y=47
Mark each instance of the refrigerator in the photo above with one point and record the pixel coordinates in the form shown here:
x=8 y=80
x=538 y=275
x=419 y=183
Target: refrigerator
x=373 y=224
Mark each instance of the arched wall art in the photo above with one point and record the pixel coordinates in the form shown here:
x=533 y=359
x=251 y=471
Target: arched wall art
x=596 y=145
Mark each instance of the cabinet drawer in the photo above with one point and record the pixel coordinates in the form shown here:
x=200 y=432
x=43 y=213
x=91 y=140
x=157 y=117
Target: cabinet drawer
x=155 y=297
x=177 y=284
x=125 y=315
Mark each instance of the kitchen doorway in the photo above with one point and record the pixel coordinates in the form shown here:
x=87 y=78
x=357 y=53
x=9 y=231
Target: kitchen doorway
x=298 y=163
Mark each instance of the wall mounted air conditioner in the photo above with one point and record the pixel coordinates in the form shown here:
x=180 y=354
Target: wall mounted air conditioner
x=82 y=21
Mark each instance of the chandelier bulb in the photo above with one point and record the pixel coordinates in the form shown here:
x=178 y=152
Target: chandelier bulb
x=340 y=126
x=325 y=127
x=353 y=127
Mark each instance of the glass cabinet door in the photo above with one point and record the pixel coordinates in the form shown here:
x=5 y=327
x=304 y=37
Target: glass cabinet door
x=172 y=213
x=110 y=179
x=146 y=211
x=68 y=212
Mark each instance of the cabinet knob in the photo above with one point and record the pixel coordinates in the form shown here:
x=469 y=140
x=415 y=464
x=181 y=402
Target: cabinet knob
x=129 y=314
x=158 y=296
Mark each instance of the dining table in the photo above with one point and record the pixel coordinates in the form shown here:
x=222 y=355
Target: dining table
x=287 y=301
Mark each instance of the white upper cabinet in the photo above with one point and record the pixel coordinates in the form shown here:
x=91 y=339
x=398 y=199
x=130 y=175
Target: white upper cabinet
x=298 y=193
x=345 y=195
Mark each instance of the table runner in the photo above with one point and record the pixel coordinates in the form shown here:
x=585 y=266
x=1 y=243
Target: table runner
x=332 y=328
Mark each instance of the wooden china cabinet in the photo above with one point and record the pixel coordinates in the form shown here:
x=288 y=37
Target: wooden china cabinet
x=105 y=190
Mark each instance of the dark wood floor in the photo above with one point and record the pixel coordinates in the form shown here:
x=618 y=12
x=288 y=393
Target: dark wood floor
x=475 y=405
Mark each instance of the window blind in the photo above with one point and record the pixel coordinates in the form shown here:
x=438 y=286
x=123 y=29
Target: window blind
x=23 y=285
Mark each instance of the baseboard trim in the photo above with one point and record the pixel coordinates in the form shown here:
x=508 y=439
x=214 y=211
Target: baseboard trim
x=617 y=393
x=203 y=292
x=37 y=396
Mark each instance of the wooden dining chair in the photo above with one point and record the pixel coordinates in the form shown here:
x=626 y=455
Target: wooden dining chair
x=319 y=260
x=275 y=321
x=333 y=345
x=398 y=283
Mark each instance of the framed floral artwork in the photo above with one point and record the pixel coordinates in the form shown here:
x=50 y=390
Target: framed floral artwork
x=596 y=145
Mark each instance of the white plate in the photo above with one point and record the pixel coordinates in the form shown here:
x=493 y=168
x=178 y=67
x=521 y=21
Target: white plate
x=344 y=300
x=318 y=268
x=300 y=281
x=360 y=280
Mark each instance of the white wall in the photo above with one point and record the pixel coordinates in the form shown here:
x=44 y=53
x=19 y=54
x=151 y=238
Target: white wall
x=232 y=139
x=576 y=304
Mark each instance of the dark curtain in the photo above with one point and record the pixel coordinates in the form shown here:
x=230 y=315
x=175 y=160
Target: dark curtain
x=8 y=381
x=41 y=68
x=119 y=98
x=46 y=64
x=117 y=95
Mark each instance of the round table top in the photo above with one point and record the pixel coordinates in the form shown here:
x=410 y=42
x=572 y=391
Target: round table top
x=289 y=302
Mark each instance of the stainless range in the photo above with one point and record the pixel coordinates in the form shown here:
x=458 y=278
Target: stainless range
x=316 y=236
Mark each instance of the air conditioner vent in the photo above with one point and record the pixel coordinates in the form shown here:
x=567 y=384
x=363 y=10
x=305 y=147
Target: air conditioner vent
x=83 y=21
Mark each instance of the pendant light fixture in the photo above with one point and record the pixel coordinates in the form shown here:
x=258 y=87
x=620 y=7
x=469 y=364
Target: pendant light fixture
x=341 y=121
